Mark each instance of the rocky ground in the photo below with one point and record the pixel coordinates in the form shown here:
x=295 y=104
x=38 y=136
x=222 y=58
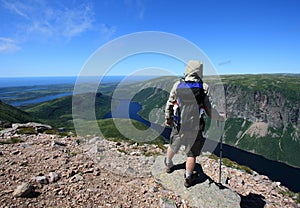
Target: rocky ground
x=51 y=171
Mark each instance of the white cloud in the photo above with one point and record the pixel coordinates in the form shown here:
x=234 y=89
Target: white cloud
x=15 y=7
x=50 y=19
x=138 y=6
x=8 y=45
x=74 y=22
x=107 y=30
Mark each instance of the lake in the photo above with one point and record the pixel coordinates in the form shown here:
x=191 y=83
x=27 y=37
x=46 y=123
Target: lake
x=41 y=99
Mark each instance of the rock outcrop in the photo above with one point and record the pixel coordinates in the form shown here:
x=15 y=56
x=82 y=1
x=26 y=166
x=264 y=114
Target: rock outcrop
x=205 y=193
x=271 y=106
x=95 y=172
x=36 y=128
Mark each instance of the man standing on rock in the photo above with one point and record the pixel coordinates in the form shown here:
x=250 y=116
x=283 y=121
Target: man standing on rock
x=184 y=110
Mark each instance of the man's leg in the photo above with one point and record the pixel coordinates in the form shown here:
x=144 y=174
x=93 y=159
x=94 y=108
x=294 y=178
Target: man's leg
x=173 y=148
x=190 y=176
x=189 y=166
x=193 y=153
x=170 y=153
x=168 y=160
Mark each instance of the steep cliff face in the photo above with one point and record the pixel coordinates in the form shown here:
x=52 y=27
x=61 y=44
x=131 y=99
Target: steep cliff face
x=263 y=112
x=270 y=106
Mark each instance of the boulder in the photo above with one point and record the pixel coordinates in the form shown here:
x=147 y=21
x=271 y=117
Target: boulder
x=53 y=177
x=40 y=179
x=205 y=193
x=24 y=190
x=37 y=126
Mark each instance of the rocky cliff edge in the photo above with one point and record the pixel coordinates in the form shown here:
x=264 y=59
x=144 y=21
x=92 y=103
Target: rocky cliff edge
x=51 y=171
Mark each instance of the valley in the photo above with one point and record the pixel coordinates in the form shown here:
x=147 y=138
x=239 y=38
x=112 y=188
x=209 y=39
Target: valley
x=263 y=110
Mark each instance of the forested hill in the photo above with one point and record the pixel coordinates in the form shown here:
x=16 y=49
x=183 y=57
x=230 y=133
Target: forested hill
x=10 y=114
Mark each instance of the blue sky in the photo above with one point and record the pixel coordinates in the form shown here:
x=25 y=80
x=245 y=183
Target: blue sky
x=56 y=38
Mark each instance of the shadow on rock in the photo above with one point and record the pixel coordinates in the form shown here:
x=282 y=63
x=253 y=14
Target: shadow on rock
x=34 y=194
x=204 y=192
x=202 y=177
x=252 y=201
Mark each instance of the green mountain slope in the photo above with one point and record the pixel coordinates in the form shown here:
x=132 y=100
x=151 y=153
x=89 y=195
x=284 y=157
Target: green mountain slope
x=10 y=114
x=109 y=130
x=58 y=112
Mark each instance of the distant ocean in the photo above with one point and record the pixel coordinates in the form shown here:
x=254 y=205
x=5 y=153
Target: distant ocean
x=21 y=84
x=34 y=81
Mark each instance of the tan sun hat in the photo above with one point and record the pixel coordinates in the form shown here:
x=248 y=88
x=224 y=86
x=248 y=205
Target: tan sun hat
x=194 y=66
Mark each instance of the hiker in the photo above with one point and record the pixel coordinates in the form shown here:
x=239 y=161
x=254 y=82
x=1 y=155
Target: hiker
x=188 y=100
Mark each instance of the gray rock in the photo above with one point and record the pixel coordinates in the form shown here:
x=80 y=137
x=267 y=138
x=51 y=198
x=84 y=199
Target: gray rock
x=11 y=131
x=7 y=132
x=37 y=126
x=205 y=193
x=131 y=171
x=15 y=152
x=53 y=177
x=94 y=140
x=56 y=143
x=90 y=170
x=40 y=179
x=24 y=190
x=76 y=178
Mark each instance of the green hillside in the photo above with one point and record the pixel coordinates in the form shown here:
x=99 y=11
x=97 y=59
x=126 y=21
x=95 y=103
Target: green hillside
x=288 y=85
x=58 y=112
x=277 y=144
x=150 y=97
x=10 y=114
x=109 y=130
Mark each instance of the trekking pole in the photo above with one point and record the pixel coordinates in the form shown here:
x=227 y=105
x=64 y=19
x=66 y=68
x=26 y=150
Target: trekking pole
x=221 y=152
x=221 y=149
x=221 y=141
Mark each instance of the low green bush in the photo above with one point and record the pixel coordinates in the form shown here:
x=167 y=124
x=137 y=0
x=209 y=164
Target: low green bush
x=229 y=163
x=26 y=130
x=12 y=140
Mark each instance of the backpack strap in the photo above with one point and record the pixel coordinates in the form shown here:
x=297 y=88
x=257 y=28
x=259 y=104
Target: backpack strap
x=188 y=91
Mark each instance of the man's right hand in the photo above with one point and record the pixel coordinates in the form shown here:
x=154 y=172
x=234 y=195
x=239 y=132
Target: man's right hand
x=168 y=122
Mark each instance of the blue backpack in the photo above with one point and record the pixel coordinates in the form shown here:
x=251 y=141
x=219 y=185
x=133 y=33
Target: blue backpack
x=189 y=114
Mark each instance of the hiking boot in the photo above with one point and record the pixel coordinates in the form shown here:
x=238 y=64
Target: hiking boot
x=169 y=166
x=190 y=181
